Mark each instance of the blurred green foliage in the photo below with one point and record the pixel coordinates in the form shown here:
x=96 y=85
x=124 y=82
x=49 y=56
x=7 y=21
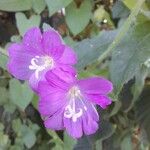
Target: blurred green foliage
x=111 y=39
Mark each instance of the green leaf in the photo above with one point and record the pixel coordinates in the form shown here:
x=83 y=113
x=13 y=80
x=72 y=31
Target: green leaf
x=5 y=102
x=9 y=107
x=15 y=5
x=69 y=41
x=69 y=142
x=106 y=129
x=55 y=5
x=146 y=13
x=46 y=27
x=140 y=77
x=78 y=18
x=38 y=5
x=142 y=110
x=119 y=10
x=29 y=137
x=99 y=14
x=16 y=147
x=34 y=127
x=142 y=17
x=23 y=24
x=3 y=61
x=1 y=127
x=35 y=101
x=83 y=144
x=129 y=55
x=4 y=141
x=55 y=138
x=20 y=94
x=16 y=125
x=16 y=38
x=126 y=144
x=130 y=3
x=94 y=72
x=4 y=96
x=98 y=145
x=116 y=108
x=89 y=50
x=57 y=147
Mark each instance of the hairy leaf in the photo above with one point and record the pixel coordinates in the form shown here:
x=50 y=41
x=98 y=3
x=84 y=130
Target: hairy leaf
x=89 y=50
x=130 y=54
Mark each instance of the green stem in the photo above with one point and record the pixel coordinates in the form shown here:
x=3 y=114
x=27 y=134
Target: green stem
x=123 y=31
x=3 y=52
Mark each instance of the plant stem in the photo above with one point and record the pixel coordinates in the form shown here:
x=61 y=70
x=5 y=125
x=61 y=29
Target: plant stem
x=3 y=52
x=123 y=31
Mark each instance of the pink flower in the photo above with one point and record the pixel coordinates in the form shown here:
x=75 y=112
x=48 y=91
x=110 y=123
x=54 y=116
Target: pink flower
x=68 y=103
x=37 y=53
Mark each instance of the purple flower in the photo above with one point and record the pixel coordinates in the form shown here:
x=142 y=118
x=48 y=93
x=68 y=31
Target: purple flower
x=38 y=53
x=68 y=103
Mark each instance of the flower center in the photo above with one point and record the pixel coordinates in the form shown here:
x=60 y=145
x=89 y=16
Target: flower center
x=76 y=106
x=74 y=92
x=41 y=63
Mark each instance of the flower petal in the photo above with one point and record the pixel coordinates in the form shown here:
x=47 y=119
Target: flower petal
x=33 y=81
x=51 y=39
x=101 y=100
x=69 y=56
x=66 y=73
x=92 y=110
x=32 y=41
x=74 y=129
x=51 y=100
x=90 y=126
x=58 y=78
x=19 y=62
x=55 y=122
x=95 y=85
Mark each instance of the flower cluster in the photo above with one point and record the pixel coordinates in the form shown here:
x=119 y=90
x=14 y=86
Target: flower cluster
x=65 y=102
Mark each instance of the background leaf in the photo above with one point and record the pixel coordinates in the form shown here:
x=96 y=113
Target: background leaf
x=24 y=24
x=38 y=5
x=89 y=49
x=55 y=5
x=29 y=137
x=119 y=10
x=129 y=55
x=15 y=5
x=126 y=143
x=78 y=18
x=20 y=94
x=142 y=110
x=105 y=130
x=69 y=143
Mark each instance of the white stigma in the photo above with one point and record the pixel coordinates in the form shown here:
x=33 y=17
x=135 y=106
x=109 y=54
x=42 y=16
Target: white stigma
x=47 y=62
x=71 y=112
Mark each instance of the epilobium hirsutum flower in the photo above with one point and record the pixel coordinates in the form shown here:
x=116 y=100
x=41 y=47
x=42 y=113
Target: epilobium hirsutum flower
x=68 y=103
x=37 y=54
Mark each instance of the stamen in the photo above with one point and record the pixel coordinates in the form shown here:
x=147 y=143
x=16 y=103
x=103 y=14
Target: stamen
x=47 y=62
x=71 y=111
